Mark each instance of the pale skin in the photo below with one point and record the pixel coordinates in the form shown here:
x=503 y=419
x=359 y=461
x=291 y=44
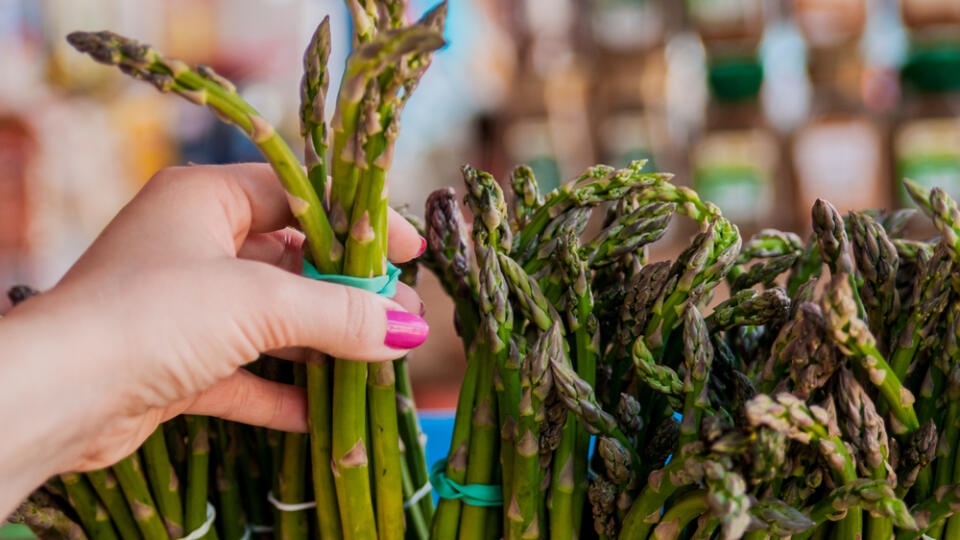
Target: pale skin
x=194 y=278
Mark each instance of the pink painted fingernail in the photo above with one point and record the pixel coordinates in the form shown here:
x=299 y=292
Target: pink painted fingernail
x=405 y=330
x=423 y=246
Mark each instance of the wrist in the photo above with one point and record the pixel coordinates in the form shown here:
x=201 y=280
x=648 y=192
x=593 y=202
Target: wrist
x=51 y=404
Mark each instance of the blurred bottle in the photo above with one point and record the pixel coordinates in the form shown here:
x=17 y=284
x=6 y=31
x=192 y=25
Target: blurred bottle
x=926 y=140
x=735 y=163
x=545 y=123
x=628 y=85
x=931 y=18
x=838 y=153
x=728 y=26
x=17 y=148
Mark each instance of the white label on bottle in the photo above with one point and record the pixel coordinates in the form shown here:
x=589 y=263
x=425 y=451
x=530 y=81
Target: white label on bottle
x=928 y=152
x=734 y=169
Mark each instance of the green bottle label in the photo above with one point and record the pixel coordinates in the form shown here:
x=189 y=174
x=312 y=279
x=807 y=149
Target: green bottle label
x=734 y=170
x=928 y=152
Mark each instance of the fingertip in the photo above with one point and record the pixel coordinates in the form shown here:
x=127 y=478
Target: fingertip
x=403 y=241
x=405 y=330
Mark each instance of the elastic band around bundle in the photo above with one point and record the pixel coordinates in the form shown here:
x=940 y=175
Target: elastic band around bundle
x=294 y=507
x=415 y=498
x=385 y=285
x=202 y=530
x=472 y=494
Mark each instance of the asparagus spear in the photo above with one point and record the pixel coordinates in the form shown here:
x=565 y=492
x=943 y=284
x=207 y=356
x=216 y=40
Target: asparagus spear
x=198 y=473
x=164 y=483
x=877 y=262
x=851 y=334
x=104 y=482
x=84 y=501
x=526 y=196
x=536 y=380
x=41 y=514
x=447 y=242
x=231 y=517
x=130 y=476
x=203 y=86
x=864 y=426
x=291 y=479
x=491 y=237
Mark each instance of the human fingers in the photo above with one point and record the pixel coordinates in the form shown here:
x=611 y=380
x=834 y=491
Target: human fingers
x=408 y=298
x=243 y=397
x=277 y=309
x=283 y=249
x=403 y=240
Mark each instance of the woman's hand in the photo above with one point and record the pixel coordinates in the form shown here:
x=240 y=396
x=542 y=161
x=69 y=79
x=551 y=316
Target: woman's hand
x=193 y=279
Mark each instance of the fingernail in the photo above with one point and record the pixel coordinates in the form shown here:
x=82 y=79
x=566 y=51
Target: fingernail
x=423 y=246
x=405 y=330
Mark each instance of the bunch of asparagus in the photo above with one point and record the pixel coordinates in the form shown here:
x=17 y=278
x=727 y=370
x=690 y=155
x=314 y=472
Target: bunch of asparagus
x=364 y=444
x=804 y=404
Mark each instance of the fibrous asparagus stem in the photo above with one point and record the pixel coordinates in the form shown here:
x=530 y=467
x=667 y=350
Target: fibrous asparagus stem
x=164 y=483
x=134 y=485
x=412 y=436
x=93 y=515
x=105 y=484
x=446 y=520
x=319 y=403
x=204 y=87
x=198 y=473
x=41 y=514
x=291 y=484
x=230 y=514
x=483 y=446
x=852 y=335
x=313 y=96
x=536 y=381
x=491 y=237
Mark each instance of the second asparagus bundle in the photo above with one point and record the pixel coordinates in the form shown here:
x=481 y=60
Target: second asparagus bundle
x=803 y=405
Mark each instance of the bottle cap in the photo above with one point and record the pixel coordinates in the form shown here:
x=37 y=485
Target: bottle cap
x=735 y=79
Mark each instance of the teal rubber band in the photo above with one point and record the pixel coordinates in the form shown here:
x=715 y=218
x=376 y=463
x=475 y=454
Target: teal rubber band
x=385 y=285
x=472 y=494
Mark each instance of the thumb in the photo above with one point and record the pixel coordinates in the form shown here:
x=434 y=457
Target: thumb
x=282 y=309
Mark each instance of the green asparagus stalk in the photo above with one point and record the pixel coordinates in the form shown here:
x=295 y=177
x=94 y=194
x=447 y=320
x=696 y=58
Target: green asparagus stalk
x=198 y=474
x=313 y=96
x=526 y=196
x=687 y=508
x=359 y=191
x=130 y=476
x=522 y=516
x=230 y=514
x=447 y=242
x=865 y=427
x=313 y=127
x=203 y=86
x=493 y=236
x=164 y=483
x=104 y=482
x=933 y=511
x=46 y=520
x=412 y=437
x=877 y=263
x=853 y=337
x=91 y=512
x=291 y=481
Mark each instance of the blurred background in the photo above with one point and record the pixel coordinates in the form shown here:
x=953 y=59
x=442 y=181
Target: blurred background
x=761 y=105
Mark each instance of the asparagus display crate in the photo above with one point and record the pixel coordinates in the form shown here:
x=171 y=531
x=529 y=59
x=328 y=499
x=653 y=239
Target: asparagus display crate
x=817 y=380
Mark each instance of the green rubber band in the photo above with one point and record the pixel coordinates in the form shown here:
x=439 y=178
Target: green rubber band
x=472 y=494
x=385 y=285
